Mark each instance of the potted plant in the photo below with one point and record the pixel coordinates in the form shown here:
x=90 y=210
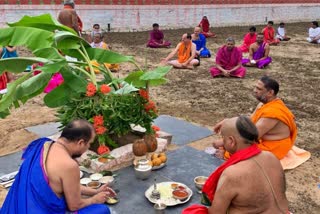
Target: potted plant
x=113 y=105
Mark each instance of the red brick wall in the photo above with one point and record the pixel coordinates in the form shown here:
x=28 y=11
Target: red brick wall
x=157 y=2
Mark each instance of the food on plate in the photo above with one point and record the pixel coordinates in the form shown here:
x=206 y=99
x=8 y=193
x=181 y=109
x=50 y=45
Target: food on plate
x=154 y=156
x=180 y=194
x=86 y=163
x=94 y=184
x=174 y=185
x=163 y=159
x=162 y=154
x=111 y=200
x=103 y=160
x=156 y=162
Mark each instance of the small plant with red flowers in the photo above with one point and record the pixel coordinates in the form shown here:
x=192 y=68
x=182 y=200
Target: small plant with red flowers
x=111 y=104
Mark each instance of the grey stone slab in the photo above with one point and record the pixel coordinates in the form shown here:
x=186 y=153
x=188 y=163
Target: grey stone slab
x=10 y=163
x=183 y=165
x=44 y=130
x=183 y=132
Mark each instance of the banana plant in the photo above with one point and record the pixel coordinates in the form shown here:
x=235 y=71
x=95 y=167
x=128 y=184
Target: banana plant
x=50 y=43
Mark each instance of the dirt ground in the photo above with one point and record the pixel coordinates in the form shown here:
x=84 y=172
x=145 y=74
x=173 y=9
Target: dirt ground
x=195 y=96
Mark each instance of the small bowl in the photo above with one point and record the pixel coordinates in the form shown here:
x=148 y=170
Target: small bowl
x=85 y=181
x=107 y=180
x=96 y=176
x=111 y=200
x=180 y=194
x=199 y=181
x=94 y=184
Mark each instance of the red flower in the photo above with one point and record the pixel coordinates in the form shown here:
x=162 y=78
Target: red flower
x=105 y=89
x=155 y=128
x=98 y=120
x=100 y=129
x=144 y=93
x=103 y=149
x=150 y=106
x=91 y=89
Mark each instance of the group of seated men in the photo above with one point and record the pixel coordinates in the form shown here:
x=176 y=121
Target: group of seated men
x=251 y=180
x=229 y=61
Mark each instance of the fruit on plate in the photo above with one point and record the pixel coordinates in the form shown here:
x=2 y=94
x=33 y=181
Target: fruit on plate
x=163 y=159
x=162 y=156
x=156 y=162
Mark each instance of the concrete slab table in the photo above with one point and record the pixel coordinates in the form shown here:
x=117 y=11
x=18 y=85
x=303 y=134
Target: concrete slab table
x=183 y=165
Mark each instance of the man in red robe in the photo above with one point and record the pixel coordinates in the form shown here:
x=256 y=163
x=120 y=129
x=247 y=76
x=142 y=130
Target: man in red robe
x=228 y=61
x=248 y=39
x=68 y=17
x=251 y=181
x=269 y=34
x=205 y=25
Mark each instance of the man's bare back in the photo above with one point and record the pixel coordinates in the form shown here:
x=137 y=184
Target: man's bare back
x=55 y=168
x=69 y=18
x=249 y=188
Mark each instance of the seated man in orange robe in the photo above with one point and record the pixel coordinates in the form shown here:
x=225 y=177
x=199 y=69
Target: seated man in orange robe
x=275 y=122
x=242 y=184
x=249 y=39
x=186 y=51
x=269 y=34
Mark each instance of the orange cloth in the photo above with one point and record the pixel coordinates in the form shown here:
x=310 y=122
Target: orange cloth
x=276 y=109
x=269 y=36
x=294 y=158
x=184 y=52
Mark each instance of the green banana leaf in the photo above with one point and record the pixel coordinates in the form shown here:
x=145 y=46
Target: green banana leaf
x=153 y=78
x=44 y=22
x=32 y=87
x=7 y=100
x=31 y=38
x=19 y=64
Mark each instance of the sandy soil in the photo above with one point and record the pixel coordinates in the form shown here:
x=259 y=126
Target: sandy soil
x=195 y=96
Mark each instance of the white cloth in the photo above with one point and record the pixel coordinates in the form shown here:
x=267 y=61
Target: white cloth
x=281 y=32
x=313 y=33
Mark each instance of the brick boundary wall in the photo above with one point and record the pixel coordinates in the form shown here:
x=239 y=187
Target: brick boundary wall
x=141 y=17
x=154 y=2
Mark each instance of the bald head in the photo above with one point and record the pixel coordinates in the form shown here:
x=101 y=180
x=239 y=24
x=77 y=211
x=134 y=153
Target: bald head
x=240 y=128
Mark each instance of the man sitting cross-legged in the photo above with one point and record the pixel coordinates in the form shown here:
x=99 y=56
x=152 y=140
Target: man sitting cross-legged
x=269 y=34
x=98 y=43
x=275 y=123
x=186 y=51
x=258 y=54
x=49 y=180
x=200 y=40
x=251 y=181
x=249 y=39
x=228 y=61
x=156 y=39
x=314 y=33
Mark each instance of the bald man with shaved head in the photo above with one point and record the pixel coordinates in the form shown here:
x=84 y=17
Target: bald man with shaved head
x=251 y=181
